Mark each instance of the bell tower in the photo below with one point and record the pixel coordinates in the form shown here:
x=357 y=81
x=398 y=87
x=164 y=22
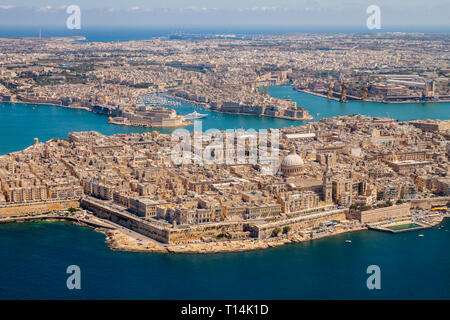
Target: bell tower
x=327 y=188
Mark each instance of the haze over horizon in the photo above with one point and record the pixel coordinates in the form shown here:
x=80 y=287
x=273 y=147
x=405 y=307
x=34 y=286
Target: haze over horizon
x=321 y=13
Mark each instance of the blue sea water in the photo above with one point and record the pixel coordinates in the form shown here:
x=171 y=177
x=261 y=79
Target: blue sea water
x=127 y=33
x=34 y=258
x=20 y=123
x=329 y=108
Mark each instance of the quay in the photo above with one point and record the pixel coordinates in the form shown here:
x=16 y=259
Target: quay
x=129 y=232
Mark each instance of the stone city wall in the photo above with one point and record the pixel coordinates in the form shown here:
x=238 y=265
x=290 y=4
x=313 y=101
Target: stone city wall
x=216 y=230
x=429 y=203
x=153 y=231
x=20 y=209
x=380 y=214
x=298 y=223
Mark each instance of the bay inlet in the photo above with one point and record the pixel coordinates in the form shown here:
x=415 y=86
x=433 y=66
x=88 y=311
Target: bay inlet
x=34 y=256
x=20 y=123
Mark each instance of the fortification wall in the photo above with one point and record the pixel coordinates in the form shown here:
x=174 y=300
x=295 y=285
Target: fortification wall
x=387 y=213
x=134 y=223
x=193 y=233
x=428 y=203
x=11 y=210
x=298 y=223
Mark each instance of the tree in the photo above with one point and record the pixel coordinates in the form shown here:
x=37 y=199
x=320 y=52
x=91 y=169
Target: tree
x=72 y=210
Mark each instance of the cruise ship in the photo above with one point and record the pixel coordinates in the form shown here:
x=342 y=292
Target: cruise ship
x=195 y=115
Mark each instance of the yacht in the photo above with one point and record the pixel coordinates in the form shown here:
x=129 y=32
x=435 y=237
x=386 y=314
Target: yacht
x=195 y=115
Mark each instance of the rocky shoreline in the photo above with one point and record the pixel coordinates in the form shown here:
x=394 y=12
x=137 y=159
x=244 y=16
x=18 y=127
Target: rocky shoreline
x=117 y=241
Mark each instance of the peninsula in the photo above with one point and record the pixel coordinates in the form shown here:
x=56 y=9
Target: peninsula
x=336 y=175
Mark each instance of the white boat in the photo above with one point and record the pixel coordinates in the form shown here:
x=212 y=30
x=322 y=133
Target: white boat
x=420 y=235
x=195 y=115
x=348 y=241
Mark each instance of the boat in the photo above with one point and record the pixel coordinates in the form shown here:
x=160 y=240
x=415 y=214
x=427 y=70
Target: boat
x=195 y=115
x=348 y=241
x=420 y=235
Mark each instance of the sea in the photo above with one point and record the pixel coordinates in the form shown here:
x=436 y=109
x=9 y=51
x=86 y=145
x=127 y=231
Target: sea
x=21 y=123
x=127 y=33
x=34 y=256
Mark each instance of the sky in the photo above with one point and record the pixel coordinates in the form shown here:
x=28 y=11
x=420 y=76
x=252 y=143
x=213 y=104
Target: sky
x=224 y=12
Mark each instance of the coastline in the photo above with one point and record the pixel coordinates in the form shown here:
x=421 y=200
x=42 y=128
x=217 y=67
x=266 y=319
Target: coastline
x=47 y=104
x=185 y=123
x=265 y=115
x=119 y=241
x=366 y=100
x=208 y=107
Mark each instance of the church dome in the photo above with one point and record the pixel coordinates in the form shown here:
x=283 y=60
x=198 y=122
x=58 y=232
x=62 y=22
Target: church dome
x=292 y=160
x=291 y=164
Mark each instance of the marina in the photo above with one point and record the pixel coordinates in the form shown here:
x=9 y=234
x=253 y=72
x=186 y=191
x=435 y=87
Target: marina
x=156 y=100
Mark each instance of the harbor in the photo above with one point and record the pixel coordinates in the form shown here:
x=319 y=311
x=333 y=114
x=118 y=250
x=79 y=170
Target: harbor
x=168 y=276
x=95 y=177
x=156 y=99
